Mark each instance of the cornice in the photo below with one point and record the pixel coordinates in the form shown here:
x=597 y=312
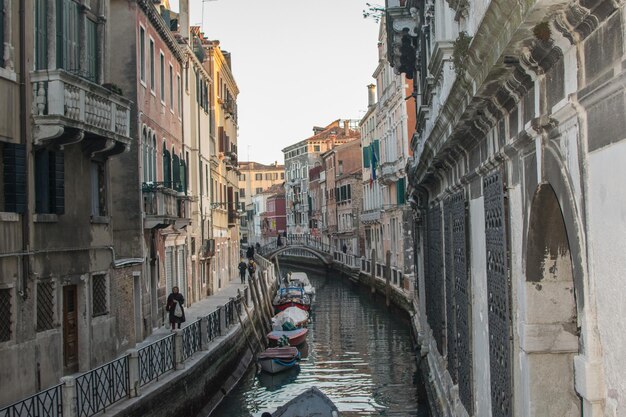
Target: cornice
x=166 y=34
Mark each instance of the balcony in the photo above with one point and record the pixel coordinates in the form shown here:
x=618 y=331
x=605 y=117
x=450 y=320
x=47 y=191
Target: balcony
x=392 y=171
x=370 y=216
x=69 y=109
x=164 y=207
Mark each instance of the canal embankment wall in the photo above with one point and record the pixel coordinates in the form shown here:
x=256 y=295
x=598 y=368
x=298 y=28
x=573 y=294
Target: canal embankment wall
x=199 y=386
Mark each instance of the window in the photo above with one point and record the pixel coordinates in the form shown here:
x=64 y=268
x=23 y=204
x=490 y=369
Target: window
x=258 y=177
x=99 y=293
x=282 y=175
x=242 y=192
x=91 y=72
x=259 y=190
x=5 y=310
x=152 y=80
x=13 y=172
x=41 y=33
x=142 y=54
x=162 y=77
x=98 y=189
x=49 y=182
x=68 y=54
x=316 y=148
x=340 y=167
x=45 y=306
x=180 y=93
x=268 y=176
x=171 y=87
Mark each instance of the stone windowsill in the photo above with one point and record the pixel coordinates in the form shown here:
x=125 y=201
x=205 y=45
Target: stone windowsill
x=9 y=217
x=100 y=220
x=45 y=218
x=8 y=74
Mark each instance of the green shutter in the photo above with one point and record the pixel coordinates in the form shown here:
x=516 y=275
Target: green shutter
x=57 y=182
x=92 y=50
x=366 y=157
x=400 y=191
x=176 y=173
x=41 y=34
x=14 y=170
x=61 y=41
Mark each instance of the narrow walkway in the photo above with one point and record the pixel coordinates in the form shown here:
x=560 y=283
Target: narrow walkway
x=199 y=309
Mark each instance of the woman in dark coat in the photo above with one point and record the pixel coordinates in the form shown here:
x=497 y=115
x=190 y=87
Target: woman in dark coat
x=175 y=298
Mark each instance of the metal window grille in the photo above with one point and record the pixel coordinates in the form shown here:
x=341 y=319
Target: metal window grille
x=435 y=291
x=5 y=312
x=99 y=295
x=499 y=290
x=45 y=306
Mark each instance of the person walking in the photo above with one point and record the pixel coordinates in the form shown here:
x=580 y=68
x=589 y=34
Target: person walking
x=242 y=271
x=250 y=252
x=344 y=248
x=251 y=268
x=175 y=307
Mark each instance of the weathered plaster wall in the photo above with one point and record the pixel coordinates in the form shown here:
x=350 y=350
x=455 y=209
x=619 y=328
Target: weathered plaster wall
x=607 y=244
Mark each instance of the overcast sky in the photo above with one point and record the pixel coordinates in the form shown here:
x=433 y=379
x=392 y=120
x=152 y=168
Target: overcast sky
x=297 y=63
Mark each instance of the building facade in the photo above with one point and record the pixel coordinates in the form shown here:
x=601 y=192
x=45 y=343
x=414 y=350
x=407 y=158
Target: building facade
x=224 y=169
x=386 y=131
x=255 y=178
x=519 y=141
x=275 y=219
x=67 y=125
x=299 y=159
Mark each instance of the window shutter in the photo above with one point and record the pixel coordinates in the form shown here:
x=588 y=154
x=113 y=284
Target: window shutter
x=183 y=176
x=366 y=157
x=168 y=270
x=57 y=182
x=176 y=173
x=221 y=139
x=61 y=33
x=400 y=191
x=15 y=177
x=41 y=33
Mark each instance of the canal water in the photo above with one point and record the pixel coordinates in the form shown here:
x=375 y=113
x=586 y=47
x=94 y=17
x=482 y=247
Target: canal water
x=357 y=352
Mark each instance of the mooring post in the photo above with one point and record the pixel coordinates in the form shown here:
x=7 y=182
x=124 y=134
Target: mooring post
x=373 y=272
x=388 y=278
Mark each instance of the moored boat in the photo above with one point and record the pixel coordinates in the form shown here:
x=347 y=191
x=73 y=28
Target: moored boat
x=311 y=402
x=291 y=297
x=295 y=337
x=296 y=316
x=274 y=360
x=301 y=279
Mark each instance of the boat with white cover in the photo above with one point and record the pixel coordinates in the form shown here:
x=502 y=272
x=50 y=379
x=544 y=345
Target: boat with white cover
x=294 y=315
x=311 y=402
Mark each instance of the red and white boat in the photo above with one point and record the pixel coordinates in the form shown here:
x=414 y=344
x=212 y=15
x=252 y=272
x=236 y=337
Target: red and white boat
x=296 y=316
x=291 y=297
x=295 y=337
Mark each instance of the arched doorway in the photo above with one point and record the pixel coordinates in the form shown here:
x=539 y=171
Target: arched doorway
x=549 y=339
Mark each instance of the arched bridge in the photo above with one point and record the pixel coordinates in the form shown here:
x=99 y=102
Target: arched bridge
x=310 y=245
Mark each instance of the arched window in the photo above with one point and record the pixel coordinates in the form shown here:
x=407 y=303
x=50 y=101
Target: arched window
x=183 y=175
x=176 y=171
x=153 y=157
x=167 y=167
x=145 y=154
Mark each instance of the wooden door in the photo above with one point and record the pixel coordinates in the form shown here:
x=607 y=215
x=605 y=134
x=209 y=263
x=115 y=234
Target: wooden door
x=70 y=328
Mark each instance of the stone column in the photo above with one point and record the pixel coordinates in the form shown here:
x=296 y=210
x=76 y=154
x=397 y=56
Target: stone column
x=134 y=377
x=178 y=349
x=68 y=392
x=204 y=333
x=223 y=328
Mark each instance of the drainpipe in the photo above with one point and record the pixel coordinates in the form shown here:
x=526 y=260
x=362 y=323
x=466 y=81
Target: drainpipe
x=23 y=139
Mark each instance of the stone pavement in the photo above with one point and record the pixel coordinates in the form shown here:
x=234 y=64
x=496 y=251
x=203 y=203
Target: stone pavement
x=200 y=309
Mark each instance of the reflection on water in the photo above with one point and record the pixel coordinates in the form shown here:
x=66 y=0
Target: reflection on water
x=357 y=353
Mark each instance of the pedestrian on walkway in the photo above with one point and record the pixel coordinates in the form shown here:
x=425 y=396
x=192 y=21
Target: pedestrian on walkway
x=175 y=307
x=251 y=268
x=242 y=270
x=344 y=248
x=250 y=252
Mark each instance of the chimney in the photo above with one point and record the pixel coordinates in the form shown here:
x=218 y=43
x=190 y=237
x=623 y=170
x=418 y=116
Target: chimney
x=371 y=95
x=346 y=127
x=183 y=18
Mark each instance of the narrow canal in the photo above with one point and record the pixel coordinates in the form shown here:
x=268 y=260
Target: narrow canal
x=357 y=352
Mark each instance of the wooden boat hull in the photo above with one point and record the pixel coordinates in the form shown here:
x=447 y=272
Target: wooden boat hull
x=311 y=402
x=291 y=303
x=296 y=337
x=274 y=366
